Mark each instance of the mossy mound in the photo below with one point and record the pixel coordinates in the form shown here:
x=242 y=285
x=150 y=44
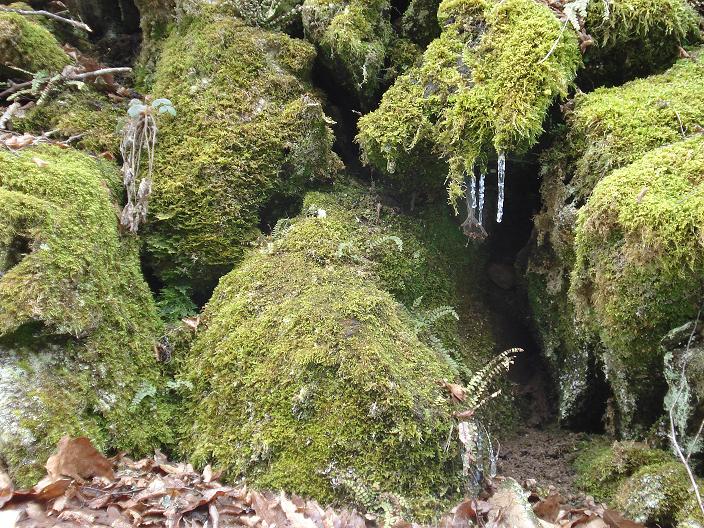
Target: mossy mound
x=637 y=37
x=647 y=485
x=249 y=132
x=639 y=263
x=310 y=376
x=611 y=127
x=77 y=322
x=28 y=45
x=606 y=129
x=655 y=494
x=353 y=38
x=87 y=115
x=482 y=87
x=603 y=467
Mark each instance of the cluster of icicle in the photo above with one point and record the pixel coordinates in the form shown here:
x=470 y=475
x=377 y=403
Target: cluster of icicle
x=474 y=224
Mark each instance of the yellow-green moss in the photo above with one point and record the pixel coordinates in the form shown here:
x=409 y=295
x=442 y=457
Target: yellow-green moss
x=611 y=127
x=483 y=86
x=248 y=130
x=606 y=129
x=602 y=467
x=310 y=376
x=353 y=38
x=77 y=322
x=86 y=114
x=28 y=45
x=636 y=37
x=639 y=267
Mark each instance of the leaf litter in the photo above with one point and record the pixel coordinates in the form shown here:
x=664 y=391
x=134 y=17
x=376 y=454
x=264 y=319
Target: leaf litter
x=83 y=488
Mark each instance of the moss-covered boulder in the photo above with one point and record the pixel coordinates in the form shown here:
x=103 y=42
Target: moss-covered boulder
x=249 y=133
x=353 y=37
x=90 y=118
x=631 y=38
x=482 y=87
x=647 y=485
x=27 y=45
x=606 y=129
x=639 y=263
x=602 y=467
x=655 y=494
x=77 y=322
x=310 y=376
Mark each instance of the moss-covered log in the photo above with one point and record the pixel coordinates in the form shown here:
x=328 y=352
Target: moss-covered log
x=77 y=322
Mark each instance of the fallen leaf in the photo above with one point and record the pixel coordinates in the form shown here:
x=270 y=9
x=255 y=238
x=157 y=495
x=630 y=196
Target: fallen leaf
x=192 y=322
x=6 y=488
x=207 y=473
x=549 y=508
x=457 y=392
x=40 y=162
x=78 y=459
x=616 y=520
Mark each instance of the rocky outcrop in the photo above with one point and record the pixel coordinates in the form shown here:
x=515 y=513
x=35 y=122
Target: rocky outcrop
x=609 y=250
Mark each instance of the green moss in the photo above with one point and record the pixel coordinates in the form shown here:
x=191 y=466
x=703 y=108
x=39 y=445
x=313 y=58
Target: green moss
x=77 y=322
x=602 y=468
x=27 y=45
x=353 y=38
x=639 y=263
x=483 y=86
x=656 y=494
x=611 y=127
x=312 y=374
x=85 y=113
x=248 y=131
x=637 y=37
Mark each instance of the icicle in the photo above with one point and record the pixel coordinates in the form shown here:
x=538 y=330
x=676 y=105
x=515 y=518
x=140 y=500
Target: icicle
x=502 y=178
x=481 y=198
x=473 y=192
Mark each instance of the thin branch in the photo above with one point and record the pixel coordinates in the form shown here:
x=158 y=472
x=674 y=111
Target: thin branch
x=682 y=458
x=48 y=14
x=554 y=44
x=69 y=77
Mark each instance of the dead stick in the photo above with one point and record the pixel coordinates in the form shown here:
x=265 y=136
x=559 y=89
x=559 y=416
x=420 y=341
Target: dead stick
x=74 y=23
x=70 y=77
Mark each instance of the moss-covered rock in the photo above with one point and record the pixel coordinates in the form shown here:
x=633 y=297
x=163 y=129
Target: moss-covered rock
x=655 y=494
x=603 y=467
x=27 y=45
x=86 y=115
x=636 y=37
x=353 y=37
x=77 y=322
x=249 y=131
x=606 y=129
x=639 y=262
x=309 y=373
x=483 y=86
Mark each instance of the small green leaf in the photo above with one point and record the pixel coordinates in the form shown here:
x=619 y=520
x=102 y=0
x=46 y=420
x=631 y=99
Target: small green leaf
x=161 y=102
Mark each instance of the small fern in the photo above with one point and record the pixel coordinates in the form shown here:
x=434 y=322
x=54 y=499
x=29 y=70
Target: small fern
x=477 y=387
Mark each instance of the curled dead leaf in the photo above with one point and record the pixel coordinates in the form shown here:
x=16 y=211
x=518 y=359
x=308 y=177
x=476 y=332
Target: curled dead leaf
x=457 y=392
x=78 y=459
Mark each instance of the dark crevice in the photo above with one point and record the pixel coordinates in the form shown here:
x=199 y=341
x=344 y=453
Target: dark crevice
x=19 y=247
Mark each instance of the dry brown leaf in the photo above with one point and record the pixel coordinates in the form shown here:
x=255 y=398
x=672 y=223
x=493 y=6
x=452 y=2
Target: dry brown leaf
x=616 y=520
x=207 y=473
x=457 y=392
x=40 y=162
x=192 y=322
x=549 y=508
x=78 y=459
x=6 y=488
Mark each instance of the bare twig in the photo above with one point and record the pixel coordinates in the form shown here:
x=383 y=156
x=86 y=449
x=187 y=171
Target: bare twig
x=48 y=14
x=554 y=44
x=8 y=114
x=683 y=459
x=67 y=77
